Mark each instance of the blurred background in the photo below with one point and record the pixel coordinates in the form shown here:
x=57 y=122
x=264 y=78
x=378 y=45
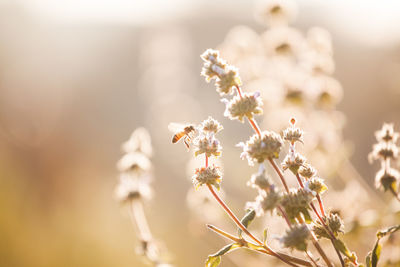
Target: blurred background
x=77 y=77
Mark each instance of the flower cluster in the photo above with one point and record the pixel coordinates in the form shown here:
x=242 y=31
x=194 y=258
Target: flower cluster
x=260 y=148
x=267 y=200
x=386 y=150
x=214 y=67
x=297 y=203
x=210 y=175
x=296 y=237
x=206 y=143
x=134 y=167
x=240 y=107
x=335 y=224
x=134 y=187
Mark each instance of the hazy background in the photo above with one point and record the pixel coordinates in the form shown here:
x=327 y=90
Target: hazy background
x=76 y=77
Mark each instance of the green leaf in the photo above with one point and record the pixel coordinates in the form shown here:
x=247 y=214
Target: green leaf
x=213 y=261
x=265 y=235
x=339 y=245
x=376 y=253
x=368 y=259
x=388 y=231
x=246 y=220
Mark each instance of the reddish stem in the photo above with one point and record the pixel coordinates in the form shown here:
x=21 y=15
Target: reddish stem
x=254 y=125
x=239 y=91
x=278 y=171
x=321 y=205
x=284 y=215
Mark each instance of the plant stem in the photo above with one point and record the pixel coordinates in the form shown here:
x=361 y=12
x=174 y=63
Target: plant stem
x=139 y=219
x=244 y=229
x=249 y=244
x=316 y=244
x=278 y=171
x=332 y=236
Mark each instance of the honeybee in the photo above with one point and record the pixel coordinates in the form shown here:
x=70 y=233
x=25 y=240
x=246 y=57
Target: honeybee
x=182 y=131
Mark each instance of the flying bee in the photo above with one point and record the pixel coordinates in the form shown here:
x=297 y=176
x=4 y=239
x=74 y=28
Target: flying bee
x=182 y=131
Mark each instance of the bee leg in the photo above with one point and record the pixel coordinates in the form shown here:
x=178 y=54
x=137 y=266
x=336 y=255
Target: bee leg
x=186 y=143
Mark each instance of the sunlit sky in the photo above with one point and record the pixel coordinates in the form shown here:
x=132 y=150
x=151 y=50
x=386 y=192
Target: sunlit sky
x=369 y=21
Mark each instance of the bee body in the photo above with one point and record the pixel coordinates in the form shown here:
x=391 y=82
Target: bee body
x=184 y=133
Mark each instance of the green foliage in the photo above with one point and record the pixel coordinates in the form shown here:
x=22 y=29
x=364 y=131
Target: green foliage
x=246 y=220
x=341 y=246
x=265 y=235
x=215 y=259
x=374 y=255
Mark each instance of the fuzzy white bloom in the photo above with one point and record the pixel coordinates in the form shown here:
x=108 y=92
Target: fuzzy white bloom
x=130 y=188
x=140 y=141
x=134 y=162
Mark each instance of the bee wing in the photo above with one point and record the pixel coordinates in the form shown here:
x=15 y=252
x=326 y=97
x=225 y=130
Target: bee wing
x=176 y=127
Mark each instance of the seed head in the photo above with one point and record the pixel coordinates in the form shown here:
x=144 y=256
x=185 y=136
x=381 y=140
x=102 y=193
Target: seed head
x=258 y=149
x=296 y=203
x=265 y=201
x=260 y=180
x=296 y=237
x=387 y=179
x=208 y=145
x=293 y=134
x=246 y=106
x=226 y=81
x=335 y=224
x=307 y=171
x=315 y=186
x=293 y=162
x=211 y=125
x=210 y=175
x=216 y=68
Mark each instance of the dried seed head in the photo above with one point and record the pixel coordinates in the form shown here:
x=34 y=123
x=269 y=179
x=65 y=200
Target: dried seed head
x=387 y=134
x=296 y=237
x=139 y=141
x=315 y=186
x=297 y=202
x=307 y=171
x=246 y=106
x=293 y=134
x=134 y=162
x=383 y=151
x=210 y=175
x=216 y=68
x=265 y=201
x=211 y=125
x=387 y=179
x=226 y=81
x=130 y=188
x=335 y=224
x=208 y=145
x=260 y=180
x=293 y=162
x=258 y=149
